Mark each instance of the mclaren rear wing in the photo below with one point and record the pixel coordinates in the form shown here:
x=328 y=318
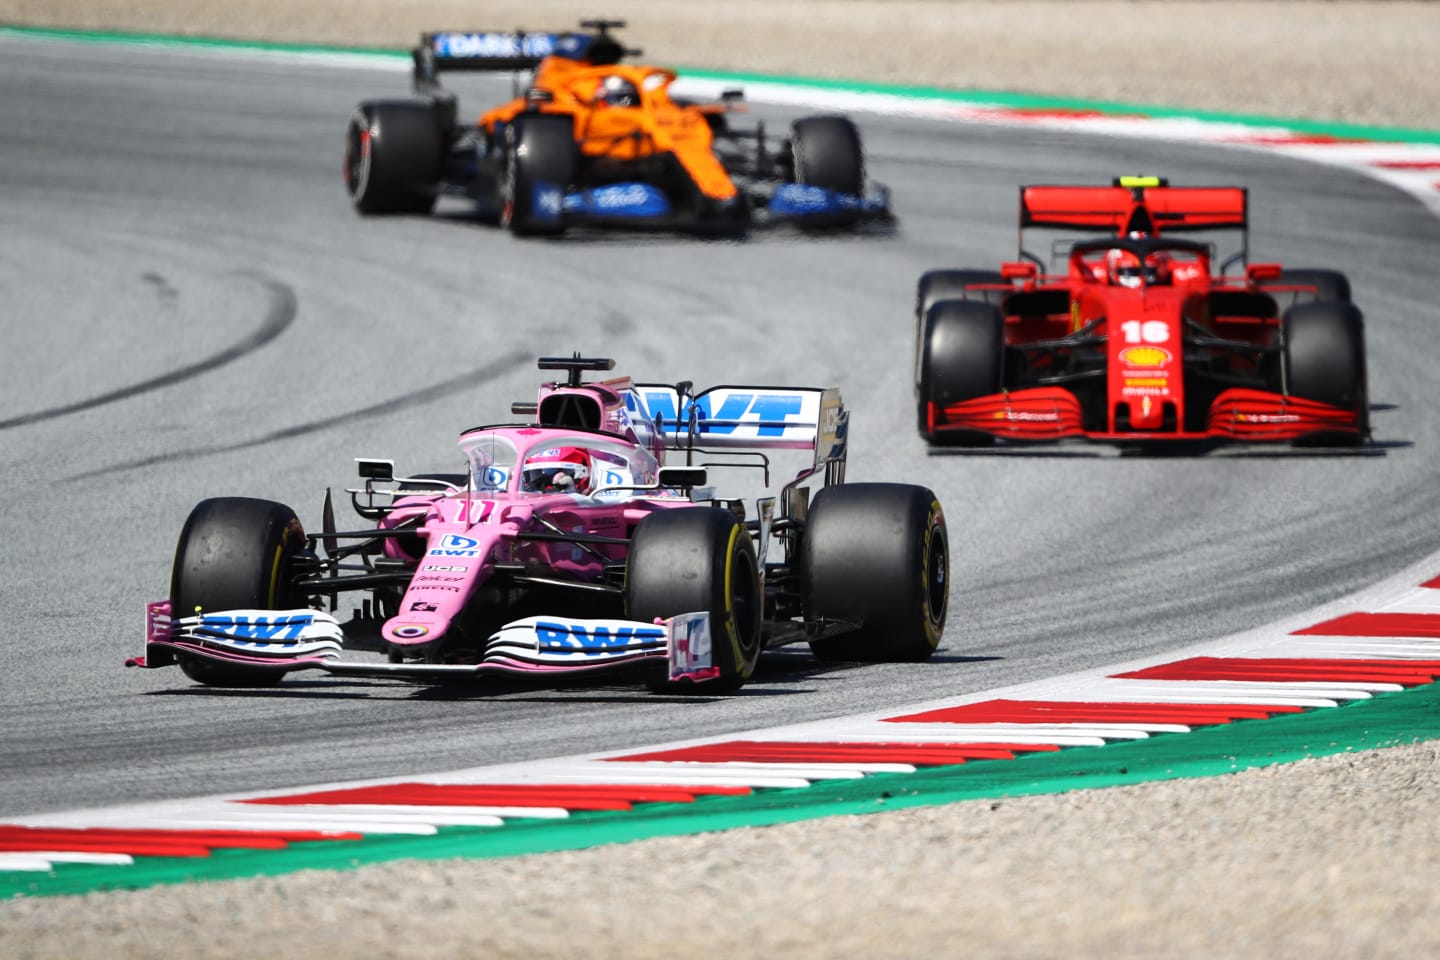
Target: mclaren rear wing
x=511 y=50
x=482 y=50
x=1146 y=205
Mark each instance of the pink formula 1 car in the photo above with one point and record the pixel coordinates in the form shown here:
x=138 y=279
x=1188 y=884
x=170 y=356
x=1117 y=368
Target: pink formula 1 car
x=569 y=547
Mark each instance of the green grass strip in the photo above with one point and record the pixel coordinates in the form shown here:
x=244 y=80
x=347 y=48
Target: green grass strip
x=1384 y=721
x=199 y=43
x=998 y=98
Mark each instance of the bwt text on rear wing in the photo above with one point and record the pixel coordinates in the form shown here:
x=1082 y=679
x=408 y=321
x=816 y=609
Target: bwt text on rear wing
x=784 y=418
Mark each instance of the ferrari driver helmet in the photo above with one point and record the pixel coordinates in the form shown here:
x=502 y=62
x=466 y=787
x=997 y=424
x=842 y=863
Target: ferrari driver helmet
x=1128 y=269
x=1125 y=269
x=558 y=470
x=616 y=91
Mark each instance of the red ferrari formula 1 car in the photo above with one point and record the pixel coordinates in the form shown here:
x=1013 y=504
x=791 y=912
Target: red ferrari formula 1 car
x=590 y=138
x=1143 y=337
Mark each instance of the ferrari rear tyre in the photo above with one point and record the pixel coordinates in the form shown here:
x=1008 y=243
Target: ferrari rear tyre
x=541 y=162
x=1324 y=357
x=234 y=553
x=1331 y=286
x=393 y=152
x=828 y=154
x=693 y=559
x=937 y=285
x=876 y=555
x=960 y=356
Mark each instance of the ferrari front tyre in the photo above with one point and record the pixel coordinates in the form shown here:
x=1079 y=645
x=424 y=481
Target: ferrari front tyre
x=937 y=285
x=1323 y=357
x=393 y=153
x=876 y=556
x=541 y=162
x=1331 y=286
x=694 y=559
x=961 y=356
x=828 y=154
x=235 y=553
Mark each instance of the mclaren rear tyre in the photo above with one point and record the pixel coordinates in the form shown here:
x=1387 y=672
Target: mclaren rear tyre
x=235 y=553
x=1331 y=286
x=960 y=356
x=693 y=559
x=876 y=556
x=1323 y=359
x=393 y=153
x=828 y=154
x=541 y=162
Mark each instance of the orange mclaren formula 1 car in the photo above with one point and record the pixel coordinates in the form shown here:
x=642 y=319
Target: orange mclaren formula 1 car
x=1143 y=337
x=591 y=139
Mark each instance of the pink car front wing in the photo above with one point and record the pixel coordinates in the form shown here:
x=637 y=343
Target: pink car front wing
x=538 y=648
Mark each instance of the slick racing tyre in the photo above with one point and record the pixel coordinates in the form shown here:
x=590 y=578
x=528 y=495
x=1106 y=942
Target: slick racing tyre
x=234 y=553
x=827 y=154
x=690 y=559
x=1330 y=286
x=393 y=152
x=961 y=355
x=541 y=162
x=1323 y=358
x=876 y=555
x=937 y=285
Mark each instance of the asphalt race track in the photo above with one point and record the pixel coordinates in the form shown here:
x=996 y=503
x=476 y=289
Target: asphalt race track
x=191 y=309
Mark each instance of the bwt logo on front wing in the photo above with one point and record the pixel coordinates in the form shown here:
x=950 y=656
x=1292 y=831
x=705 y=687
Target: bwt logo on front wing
x=258 y=628
x=555 y=637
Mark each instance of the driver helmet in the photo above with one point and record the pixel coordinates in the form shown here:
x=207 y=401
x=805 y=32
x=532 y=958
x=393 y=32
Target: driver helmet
x=1124 y=268
x=558 y=470
x=616 y=91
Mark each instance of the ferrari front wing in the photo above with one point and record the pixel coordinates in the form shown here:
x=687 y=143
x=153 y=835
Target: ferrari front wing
x=1038 y=414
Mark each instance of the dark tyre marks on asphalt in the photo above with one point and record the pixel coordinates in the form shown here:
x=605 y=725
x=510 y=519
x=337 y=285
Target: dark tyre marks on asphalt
x=280 y=314
x=500 y=366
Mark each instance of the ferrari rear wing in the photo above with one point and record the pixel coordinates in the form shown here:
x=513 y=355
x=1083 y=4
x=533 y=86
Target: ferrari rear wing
x=1134 y=205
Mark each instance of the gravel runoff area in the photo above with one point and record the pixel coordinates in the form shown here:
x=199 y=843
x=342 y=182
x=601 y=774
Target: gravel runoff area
x=1332 y=857
x=1360 y=62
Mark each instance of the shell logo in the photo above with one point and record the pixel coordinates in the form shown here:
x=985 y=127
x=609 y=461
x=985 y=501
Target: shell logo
x=1145 y=356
